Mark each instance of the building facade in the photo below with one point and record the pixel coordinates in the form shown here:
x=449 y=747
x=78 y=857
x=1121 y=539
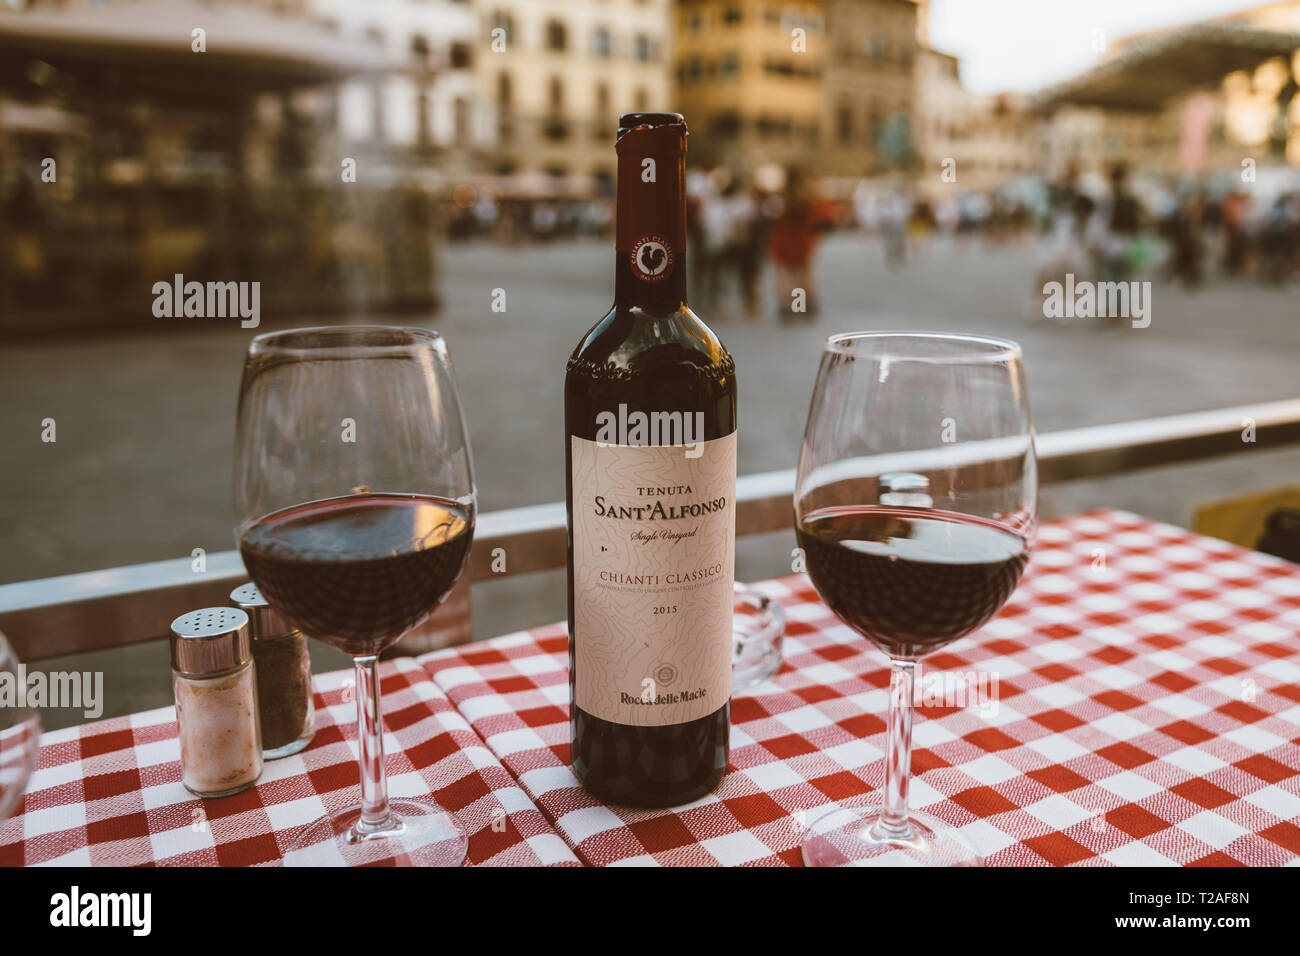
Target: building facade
x=423 y=104
x=553 y=76
x=869 y=96
x=749 y=76
x=828 y=85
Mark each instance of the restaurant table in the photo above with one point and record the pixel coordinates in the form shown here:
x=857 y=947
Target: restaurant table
x=1147 y=711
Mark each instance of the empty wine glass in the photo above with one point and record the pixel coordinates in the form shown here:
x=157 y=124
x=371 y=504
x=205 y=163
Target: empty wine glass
x=915 y=509
x=354 y=502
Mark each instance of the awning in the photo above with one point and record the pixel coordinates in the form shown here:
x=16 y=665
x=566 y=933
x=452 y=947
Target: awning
x=1150 y=70
x=151 y=40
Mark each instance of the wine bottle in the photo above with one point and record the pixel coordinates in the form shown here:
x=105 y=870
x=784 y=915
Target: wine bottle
x=650 y=417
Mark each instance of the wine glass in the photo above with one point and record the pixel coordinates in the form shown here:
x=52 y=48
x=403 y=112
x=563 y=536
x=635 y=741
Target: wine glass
x=20 y=735
x=354 y=503
x=915 y=508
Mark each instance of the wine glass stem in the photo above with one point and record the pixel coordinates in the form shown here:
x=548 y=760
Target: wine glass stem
x=898 y=767
x=370 y=744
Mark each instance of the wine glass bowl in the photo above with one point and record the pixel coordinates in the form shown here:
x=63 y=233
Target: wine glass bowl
x=20 y=733
x=915 y=509
x=355 y=509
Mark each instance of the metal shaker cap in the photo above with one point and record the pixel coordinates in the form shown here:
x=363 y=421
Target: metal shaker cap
x=264 y=619
x=210 y=640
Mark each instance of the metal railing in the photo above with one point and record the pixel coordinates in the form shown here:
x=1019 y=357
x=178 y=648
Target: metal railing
x=127 y=605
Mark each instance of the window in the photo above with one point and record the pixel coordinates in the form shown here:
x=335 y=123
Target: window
x=420 y=48
x=506 y=23
x=461 y=57
x=726 y=125
x=557 y=36
x=556 y=128
x=844 y=122
x=643 y=47
x=695 y=22
x=876 y=46
x=505 y=121
x=732 y=16
x=601 y=42
x=641 y=99
x=602 y=125
x=423 y=134
x=460 y=113
x=729 y=66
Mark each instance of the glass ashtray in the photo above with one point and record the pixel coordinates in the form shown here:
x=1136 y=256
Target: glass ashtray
x=758 y=627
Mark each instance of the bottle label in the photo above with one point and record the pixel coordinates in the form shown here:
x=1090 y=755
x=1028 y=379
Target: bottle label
x=654 y=532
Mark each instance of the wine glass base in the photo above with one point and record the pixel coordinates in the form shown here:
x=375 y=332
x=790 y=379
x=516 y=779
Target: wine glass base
x=855 y=836
x=423 y=834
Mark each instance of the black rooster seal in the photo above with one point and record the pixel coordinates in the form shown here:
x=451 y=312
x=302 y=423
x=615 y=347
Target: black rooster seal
x=652 y=258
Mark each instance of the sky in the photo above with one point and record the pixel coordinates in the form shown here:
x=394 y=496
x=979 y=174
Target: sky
x=1023 y=45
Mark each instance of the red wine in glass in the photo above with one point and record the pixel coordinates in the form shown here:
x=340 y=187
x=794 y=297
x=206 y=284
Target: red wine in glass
x=911 y=580
x=361 y=570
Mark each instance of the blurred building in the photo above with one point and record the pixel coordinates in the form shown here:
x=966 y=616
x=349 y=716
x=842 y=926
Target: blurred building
x=141 y=139
x=553 y=77
x=826 y=84
x=1185 y=100
x=972 y=141
x=1004 y=140
x=424 y=104
x=943 y=110
x=750 y=78
x=869 y=94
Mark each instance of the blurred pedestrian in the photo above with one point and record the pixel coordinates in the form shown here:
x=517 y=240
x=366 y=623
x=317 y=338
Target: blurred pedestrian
x=1065 y=245
x=1235 y=211
x=1123 y=220
x=795 y=234
x=894 y=218
x=1189 y=239
x=748 y=241
x=1278 y=236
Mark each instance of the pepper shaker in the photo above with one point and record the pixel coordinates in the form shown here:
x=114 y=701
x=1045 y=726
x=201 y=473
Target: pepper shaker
x=283 y=676
x=214 y=681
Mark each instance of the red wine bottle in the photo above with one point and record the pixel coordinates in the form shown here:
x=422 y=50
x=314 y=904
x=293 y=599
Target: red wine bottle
x=650 y=419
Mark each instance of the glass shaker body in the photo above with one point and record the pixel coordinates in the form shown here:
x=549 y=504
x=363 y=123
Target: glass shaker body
x=284 y=694
x=214 y=681
x=221 y=747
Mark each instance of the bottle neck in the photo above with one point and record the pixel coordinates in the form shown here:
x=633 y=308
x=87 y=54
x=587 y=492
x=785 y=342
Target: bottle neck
x=650 y=229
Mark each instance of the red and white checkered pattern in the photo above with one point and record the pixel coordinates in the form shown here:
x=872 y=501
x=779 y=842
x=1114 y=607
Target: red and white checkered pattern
x=1147 y=712
x=109 y=793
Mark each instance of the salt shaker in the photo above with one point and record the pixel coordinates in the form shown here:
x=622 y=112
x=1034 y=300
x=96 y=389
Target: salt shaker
x=216 y=701
x=283 y=666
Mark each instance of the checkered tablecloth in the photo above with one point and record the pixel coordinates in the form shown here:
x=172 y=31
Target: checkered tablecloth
x=1147 y=711
x=109 y=793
